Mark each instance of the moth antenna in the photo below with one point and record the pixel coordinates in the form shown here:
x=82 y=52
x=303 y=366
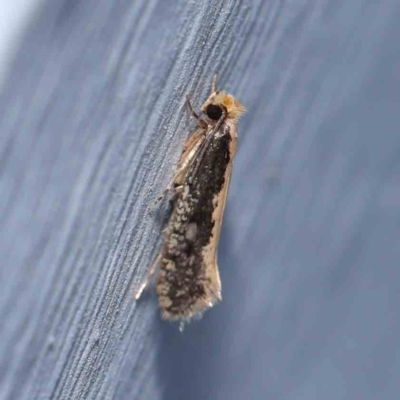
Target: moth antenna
x=214 y=84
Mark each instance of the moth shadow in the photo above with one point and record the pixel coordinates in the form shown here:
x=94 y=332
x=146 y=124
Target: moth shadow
x=189 y=362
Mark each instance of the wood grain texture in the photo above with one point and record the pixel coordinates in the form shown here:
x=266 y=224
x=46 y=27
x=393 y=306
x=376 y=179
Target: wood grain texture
x=92 y=124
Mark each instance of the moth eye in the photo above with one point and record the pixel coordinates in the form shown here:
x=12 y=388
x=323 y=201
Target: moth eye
x=214 y=112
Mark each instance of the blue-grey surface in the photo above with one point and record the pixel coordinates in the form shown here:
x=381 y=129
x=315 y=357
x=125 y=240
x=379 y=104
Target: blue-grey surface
x=92 y=123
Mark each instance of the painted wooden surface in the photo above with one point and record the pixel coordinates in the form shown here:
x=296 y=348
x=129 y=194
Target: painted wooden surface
x=92 y=123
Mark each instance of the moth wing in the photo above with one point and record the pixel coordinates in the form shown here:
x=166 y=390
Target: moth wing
x=211 y=251
x=189 y=153
x=191 y=142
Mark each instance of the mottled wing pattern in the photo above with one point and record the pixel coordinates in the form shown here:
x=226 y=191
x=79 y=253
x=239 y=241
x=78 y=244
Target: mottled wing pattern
x=188 y=282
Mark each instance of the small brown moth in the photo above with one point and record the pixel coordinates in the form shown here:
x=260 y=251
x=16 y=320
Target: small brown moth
x=188 y=282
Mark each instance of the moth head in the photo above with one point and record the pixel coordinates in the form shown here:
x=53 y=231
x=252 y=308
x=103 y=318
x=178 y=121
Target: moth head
x=219 y=102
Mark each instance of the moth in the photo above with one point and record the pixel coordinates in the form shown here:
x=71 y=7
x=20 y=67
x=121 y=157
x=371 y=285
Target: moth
x=188 y=281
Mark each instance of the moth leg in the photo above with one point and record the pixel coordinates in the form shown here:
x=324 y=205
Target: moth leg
x=200 y=121
x=178 y=189
x=187 y=157
x=162 y=195
x=150 y=273
x=214 y=84
x=169 y=187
